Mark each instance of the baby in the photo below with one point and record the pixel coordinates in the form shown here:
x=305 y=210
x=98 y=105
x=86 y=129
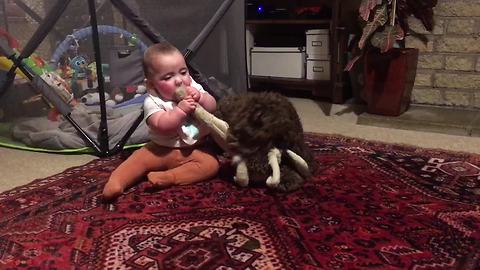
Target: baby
x=176 y=154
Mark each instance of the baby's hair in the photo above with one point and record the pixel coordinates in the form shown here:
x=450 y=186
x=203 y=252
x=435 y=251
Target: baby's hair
x=156 y=49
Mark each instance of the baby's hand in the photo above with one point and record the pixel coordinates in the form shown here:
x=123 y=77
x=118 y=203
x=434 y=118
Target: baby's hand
x=187 y=104
x=192 y=91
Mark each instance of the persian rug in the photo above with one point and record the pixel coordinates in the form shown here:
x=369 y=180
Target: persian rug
x=369 y=206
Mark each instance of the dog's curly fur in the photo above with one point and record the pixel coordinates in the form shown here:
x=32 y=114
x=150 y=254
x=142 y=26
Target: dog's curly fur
x=258 y=122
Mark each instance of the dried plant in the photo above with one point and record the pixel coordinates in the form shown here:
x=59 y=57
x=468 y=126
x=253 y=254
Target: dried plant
x=386 y=22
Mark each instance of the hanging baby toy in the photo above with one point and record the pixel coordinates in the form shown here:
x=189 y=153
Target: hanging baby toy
x=79 y=69
x=81 y=73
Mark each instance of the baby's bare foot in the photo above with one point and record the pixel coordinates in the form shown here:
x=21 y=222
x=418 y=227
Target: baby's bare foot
x=159 y=179
x=112 y=190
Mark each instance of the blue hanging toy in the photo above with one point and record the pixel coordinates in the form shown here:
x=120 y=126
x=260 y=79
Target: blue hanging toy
x=80 y=72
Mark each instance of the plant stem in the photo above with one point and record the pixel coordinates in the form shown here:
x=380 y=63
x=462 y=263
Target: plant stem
x=394 y=10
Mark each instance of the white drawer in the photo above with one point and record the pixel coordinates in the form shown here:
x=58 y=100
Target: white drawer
x=286 y=62
x=318 y=69
x=317 y=42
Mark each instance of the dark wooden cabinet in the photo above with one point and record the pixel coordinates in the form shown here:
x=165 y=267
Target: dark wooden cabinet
x=290 y=32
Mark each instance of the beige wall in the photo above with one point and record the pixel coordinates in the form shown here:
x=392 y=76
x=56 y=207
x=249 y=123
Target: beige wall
x=448 y=71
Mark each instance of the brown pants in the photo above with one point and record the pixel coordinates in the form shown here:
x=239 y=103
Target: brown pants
x=163 y=166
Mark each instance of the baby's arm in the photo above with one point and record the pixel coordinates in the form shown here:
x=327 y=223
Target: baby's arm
x=208 y=102
x=168 y=122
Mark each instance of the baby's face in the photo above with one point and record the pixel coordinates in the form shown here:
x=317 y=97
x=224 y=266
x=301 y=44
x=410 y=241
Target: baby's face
x=169 y=71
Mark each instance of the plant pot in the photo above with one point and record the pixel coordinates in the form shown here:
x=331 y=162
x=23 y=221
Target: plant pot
x=356 y=80
x=389 y=79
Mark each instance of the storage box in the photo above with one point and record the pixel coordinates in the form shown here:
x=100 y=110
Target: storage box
x=286 y=62
x=317 y=42
x=249 y=43
x=318 y=69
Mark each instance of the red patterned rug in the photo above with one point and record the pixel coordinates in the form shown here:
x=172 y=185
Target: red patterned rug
x=369 y=206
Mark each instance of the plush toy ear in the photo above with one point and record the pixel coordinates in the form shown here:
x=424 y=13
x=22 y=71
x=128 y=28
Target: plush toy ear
x=256 y=117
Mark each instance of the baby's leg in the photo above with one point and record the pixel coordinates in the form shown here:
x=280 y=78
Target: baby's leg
x=193 y=167
x=148 y=158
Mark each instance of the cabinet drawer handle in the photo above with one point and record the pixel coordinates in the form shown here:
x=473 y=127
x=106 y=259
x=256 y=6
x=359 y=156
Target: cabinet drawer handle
x=317 y=43
x=318 y=69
